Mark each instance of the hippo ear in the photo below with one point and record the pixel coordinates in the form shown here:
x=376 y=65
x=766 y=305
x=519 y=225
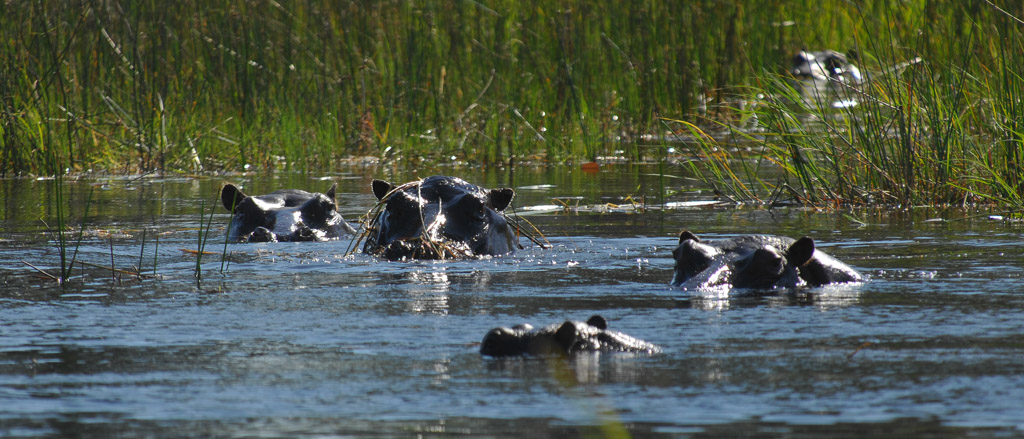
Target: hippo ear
x=231 y=195
x=566 y=336
x=685 y=234
x=597 y=322
x=332 y=192
x=765 y=257
x=801 y=251
x=499 y=199
x=381 y=188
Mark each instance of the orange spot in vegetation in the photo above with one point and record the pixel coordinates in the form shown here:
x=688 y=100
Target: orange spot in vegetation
x=196 y=252
x=591 y=167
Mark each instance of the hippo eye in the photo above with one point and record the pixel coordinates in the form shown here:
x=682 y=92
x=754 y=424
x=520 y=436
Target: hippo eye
x=478 y=213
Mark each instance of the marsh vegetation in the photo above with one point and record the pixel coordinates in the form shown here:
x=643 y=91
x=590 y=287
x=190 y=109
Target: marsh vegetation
x=195 y=86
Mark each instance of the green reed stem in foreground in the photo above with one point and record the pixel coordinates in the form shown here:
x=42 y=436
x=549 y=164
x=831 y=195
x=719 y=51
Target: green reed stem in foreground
x=204 y=235
x=61 y=234
x=142 y=252
x=224 y=261
x=156 y=252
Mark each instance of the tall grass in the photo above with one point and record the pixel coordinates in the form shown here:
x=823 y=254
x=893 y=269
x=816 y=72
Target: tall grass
x=942 y=131
x=215 y=85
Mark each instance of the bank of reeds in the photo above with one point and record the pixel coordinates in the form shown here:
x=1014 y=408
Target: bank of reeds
x=209 y=85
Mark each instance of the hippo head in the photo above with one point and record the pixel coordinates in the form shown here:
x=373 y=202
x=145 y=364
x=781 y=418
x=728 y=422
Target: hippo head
x=438 y=218
x=284 y=215
x=753 y=261
x=500 y=342
x=826 y=65
x=567 y=338
x=692 y=257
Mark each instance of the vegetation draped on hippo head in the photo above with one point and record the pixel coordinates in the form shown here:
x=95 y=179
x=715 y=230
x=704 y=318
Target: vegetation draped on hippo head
x=439 y=217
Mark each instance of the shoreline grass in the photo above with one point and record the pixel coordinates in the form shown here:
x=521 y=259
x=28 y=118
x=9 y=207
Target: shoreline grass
x=197 y=86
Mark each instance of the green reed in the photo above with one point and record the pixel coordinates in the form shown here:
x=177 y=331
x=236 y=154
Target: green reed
x=204 y=235
x=224 y=261
x=61 y=235
x=215 y=85
x=942 y=131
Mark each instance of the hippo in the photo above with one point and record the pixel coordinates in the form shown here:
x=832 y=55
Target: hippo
x=826 y=74
x=439 y=217
x=284 y=215
x=826 y=65
x=756 y=261
x=566 y=338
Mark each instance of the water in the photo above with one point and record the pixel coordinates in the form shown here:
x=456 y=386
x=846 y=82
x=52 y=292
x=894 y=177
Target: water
x=298 y=339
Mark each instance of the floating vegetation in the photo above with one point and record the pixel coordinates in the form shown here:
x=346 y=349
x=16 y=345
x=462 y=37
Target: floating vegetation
x=572 y=205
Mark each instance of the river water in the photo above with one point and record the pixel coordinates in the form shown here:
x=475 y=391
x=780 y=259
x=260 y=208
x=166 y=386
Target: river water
x=302 y=340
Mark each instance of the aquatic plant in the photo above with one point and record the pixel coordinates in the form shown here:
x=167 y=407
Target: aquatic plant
x=936 y=131
x=204 y=235
x=214 y=85
x=224 y=261
x=61 y=238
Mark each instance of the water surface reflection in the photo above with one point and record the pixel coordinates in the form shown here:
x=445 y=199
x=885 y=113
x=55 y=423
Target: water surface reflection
x=300 y=339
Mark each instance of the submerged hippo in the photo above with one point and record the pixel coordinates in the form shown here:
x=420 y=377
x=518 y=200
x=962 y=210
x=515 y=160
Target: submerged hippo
x=827 y=75
x=439 y=218
x=284 y=215
x=755 y=261
x=826 y=65
x=566 y=338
